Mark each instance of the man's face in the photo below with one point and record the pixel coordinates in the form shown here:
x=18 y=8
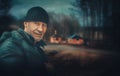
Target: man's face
x=35 y=29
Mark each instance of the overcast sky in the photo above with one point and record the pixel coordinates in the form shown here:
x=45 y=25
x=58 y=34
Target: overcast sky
x=20 y=7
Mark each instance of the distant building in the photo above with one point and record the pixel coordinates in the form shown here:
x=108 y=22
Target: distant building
x=75 y=39
x=55 y=38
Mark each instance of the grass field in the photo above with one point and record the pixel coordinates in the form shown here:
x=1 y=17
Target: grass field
x=67 y=60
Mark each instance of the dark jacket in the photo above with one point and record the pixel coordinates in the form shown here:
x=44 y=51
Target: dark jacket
x=20 y=56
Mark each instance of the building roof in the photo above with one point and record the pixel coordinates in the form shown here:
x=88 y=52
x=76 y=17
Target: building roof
x=75 y=36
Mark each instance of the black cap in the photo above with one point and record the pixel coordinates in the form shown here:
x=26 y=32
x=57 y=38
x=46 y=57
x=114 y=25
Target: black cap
x=37 y=14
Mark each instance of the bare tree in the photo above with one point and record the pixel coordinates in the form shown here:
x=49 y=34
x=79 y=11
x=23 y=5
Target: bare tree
x=65 y=25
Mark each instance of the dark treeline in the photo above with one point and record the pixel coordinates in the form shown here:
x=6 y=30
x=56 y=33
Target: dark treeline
x=5 y=6
x=116 y=24
x=98 y=22
x=7 y=21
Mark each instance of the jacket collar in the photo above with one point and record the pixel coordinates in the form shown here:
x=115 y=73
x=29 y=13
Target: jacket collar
x=26 y=36
x=30 y=39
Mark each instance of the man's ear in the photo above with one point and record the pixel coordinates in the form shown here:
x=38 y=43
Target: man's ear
x=25 y=24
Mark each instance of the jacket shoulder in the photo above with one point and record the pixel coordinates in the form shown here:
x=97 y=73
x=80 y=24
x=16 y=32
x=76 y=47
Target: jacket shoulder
x=10 y=40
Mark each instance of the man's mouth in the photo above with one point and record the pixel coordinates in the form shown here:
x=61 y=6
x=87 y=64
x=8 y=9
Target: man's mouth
x=38 y=33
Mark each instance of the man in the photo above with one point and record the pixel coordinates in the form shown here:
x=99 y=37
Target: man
x=20 y=52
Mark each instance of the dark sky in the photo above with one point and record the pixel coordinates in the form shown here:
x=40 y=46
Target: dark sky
x=20 y=7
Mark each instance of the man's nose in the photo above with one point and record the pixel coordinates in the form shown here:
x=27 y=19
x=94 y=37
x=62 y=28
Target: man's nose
x=40 y=28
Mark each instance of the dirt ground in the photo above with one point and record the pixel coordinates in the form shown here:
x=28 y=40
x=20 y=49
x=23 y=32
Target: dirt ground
x=66 y=60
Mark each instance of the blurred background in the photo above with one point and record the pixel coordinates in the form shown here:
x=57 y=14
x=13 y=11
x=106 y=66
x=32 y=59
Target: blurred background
x=82 y=37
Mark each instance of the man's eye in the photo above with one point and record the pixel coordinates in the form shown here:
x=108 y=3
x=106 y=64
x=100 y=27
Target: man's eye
x=36 y=23
x=44 y=25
